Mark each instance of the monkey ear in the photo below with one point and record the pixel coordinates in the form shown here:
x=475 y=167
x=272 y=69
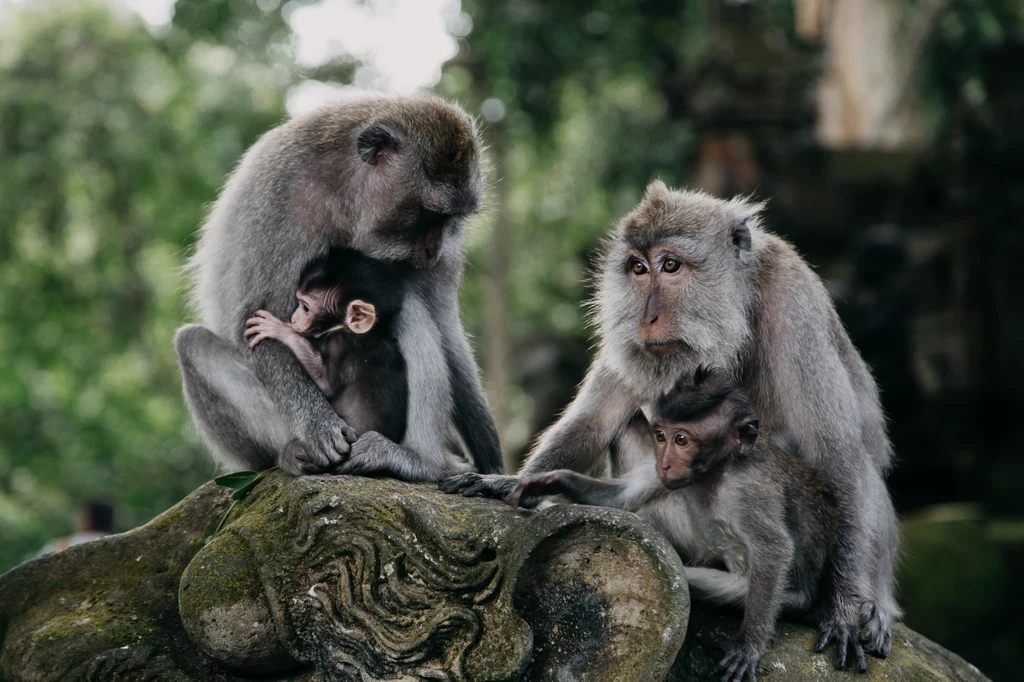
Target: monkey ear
x=741 y=238
x=746 y=434
x=374 y=140
x=360 y=316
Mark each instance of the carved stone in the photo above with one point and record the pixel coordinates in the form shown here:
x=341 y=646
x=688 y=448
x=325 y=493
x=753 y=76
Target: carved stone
x=317 y=579
x=345 y=578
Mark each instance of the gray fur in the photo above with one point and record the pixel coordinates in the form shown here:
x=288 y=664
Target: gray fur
x=752 y=516
x=301 y=189
x=759 y=313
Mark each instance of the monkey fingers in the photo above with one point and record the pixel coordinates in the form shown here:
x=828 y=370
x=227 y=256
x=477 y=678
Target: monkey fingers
x=471 y=483
x=848 y=646
x=739 y=663
x=876 y=633
x=533 y=487
x=264 y=326
x=316 y=453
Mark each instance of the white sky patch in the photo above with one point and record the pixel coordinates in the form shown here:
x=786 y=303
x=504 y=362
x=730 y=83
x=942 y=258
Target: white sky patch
x=153 y=12
x=403 y=43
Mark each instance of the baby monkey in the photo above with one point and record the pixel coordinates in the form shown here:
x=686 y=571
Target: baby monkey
x=723 y=496
x=342 y=332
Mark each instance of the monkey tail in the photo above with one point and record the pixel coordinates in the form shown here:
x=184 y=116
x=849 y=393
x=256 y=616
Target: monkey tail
x=722 y=587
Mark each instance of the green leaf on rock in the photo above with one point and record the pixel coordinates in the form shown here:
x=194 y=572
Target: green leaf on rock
x=240 y=480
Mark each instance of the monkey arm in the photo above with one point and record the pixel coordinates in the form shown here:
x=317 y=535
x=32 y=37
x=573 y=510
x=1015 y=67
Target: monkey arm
x=264 y=325
x=473 y=417
x=304 y=407
x=630 y=492
x=769 y=556
x=312 y=361
x=376 y=455
x=601 y=409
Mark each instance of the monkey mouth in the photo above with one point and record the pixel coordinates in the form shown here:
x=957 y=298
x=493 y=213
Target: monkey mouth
x=662 y=348
x=675 y=483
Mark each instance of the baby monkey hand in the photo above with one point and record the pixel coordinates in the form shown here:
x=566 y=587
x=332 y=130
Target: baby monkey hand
x=533 y=487
x=265 y=326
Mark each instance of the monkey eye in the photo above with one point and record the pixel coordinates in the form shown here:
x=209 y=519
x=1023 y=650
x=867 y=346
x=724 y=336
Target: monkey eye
x=670 y=265
x=638 y=268
x=305 y=308
x=682 y=439
x=659 y=436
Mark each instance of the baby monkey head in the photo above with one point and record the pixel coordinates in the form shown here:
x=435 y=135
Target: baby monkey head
x=701 y=425
x=345 y=291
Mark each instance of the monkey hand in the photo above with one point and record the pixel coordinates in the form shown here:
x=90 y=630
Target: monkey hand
x=532 y=488
x=876 y=629
x=740 y=662
x=486 y=485
x=840 y=624
x=320 y=449
x=264 y=325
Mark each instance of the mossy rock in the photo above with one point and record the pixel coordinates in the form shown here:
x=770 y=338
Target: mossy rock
x=338 y=578
x=790 y=656
x=317 y=579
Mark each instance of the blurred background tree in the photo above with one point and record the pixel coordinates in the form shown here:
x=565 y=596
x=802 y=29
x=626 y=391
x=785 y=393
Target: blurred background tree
x=885 y=132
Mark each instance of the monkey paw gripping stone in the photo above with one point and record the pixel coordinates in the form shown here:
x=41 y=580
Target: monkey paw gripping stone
x=316 y=579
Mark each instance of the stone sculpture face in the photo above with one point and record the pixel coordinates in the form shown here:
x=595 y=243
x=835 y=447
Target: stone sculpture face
x=399 y=582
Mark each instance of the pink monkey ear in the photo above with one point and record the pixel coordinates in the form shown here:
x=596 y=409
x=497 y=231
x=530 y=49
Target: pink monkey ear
x=360 y=316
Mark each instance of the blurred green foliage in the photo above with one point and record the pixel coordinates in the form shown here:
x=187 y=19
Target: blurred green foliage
x=111 y=145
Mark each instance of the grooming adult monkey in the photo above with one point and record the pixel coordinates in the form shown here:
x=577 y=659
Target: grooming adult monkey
x=688 y=279
x=392 y=178
x=723 y=496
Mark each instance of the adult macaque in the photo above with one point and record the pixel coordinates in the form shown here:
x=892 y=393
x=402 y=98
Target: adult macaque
x=392 y=178
x=723 y=497
x=688 y=279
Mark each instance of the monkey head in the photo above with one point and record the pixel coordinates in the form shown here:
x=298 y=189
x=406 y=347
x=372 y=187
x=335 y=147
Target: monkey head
x=675 y=281
x=394 y=177
x=701 y=425
x=345 y=290
x=317 y=314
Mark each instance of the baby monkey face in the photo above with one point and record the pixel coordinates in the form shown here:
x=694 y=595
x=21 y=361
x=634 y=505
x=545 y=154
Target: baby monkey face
x=321 y=311
x=678 y=450
x=310 y=309
x=689 y=451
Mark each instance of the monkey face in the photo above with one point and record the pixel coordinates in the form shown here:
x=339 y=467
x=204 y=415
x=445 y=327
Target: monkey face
x=658 y=277
x=308 y=312
x=419 y=176
x=688 y=452
x=677 y=448
x=674 y=287
x=317 y=312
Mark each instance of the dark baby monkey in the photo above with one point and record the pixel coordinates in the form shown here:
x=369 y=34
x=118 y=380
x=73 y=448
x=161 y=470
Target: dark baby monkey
x=724 y=496
x=342 y=332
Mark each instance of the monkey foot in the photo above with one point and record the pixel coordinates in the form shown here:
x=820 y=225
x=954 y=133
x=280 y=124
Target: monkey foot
x=739 y=664
x=848 y=646
x=876 y=633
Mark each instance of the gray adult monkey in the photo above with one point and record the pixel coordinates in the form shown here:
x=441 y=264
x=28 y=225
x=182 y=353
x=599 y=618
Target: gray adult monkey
x=688 y=279
x=393 y=178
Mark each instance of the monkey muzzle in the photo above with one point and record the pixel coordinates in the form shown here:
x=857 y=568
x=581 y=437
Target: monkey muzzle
x=661 y=349
x=675 y=482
